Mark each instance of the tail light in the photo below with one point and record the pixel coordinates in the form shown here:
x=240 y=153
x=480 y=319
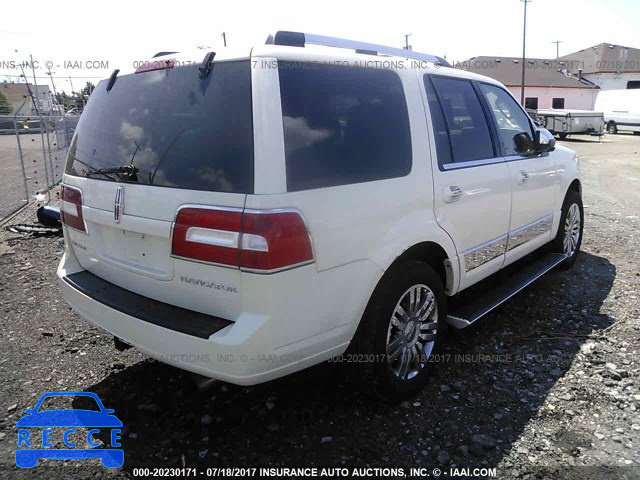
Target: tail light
x=71 y=208
x=257 y=240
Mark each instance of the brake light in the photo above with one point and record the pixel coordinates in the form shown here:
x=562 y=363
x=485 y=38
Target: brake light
x=71 y=208
x=261 y=240
x=153 y=65
x=207 y=235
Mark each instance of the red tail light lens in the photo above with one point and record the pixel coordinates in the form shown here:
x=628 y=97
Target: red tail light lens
x=71 y=208
x=274 y=240
x=208 y=235
x=251 y=239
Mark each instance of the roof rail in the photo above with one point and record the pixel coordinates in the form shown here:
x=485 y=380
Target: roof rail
x=299 y=39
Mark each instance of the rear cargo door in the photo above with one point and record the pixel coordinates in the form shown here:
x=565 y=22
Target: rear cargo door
x=159 y=147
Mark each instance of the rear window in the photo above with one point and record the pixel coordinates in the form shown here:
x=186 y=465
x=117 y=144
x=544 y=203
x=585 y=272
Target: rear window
x=342 y=125
x=174 y=128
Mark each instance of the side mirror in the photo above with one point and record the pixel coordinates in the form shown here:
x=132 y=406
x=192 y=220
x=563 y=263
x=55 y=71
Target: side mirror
x=543 y=141
x=524 y=143
x=29 y=411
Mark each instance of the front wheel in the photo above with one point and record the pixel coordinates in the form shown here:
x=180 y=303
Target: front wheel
x=400 y=330
x=612 y=127
x=569 y=237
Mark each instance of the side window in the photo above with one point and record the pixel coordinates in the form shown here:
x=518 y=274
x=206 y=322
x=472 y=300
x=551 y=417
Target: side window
x=342 y=125
x=438 y=123
x=465 y=121
x=514 y=128
x=557 y=103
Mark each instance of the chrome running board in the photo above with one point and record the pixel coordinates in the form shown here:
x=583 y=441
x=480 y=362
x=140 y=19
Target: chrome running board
x=479 y=307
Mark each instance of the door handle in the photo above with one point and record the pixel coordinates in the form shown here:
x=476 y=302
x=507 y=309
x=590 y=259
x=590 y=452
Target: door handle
x=451 y=193
x=524 y=176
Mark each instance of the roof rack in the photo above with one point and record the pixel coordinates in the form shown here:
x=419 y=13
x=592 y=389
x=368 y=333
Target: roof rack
x=299 y=39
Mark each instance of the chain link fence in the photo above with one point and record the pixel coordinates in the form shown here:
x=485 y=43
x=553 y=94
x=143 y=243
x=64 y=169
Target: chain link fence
x=32 y=154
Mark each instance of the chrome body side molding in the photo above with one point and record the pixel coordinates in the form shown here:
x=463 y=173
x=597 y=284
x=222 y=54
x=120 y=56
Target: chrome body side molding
x=477 y=256
x=484 y=253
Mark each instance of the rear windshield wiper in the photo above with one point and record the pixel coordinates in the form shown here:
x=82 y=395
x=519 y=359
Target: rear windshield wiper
x=127 y=170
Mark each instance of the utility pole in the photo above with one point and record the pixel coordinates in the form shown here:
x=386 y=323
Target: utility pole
x=26 y=82
x=35 y=83
x=406 y=42
x=524 y=45
x=224 y=38
x=53 y=84
x=557 y=42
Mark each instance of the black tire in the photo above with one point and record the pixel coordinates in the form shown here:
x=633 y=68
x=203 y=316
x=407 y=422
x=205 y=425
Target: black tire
x=558 y=244
x=612 y=127
x=376 y=369
x=636 y=133
x=562 y=136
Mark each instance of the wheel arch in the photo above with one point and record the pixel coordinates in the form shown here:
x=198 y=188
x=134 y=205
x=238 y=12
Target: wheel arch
x=429 y=252
x=576 y=186
x=432 y=253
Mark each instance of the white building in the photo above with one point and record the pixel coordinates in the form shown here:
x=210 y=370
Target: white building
x=571 y=81
x=547 y=85
x=611 y=67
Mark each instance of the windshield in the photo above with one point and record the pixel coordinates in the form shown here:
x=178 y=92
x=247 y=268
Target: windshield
x=174 y=128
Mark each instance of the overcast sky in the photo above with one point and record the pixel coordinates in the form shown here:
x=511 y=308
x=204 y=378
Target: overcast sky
x=120 y=32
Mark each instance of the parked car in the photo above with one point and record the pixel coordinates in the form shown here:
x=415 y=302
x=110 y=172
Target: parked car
x=251 y=216
x=621 y=110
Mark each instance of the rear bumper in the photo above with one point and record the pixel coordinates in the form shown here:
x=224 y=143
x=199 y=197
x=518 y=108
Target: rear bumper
x=252 y=349
x=152 y=311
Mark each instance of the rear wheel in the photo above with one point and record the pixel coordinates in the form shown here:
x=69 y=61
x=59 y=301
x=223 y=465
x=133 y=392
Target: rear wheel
x=562 y=136
x=569 y=237
x=400 y=330
x=636 y=133
x=612 y=127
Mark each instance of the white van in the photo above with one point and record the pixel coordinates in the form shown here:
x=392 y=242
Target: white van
x=621 y=110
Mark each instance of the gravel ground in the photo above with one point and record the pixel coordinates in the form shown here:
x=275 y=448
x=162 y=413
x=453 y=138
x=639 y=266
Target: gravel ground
x=547 y=386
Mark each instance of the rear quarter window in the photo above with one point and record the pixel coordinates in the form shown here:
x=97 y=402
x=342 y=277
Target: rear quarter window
x=342 y=125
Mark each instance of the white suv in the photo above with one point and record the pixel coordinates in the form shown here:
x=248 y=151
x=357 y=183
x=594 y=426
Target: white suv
x=249 y=215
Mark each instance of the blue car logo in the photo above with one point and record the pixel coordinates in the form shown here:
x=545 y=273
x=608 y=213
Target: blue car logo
x=33 y=447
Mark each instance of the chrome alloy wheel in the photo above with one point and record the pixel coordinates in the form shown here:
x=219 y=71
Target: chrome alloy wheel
x=571 y=230
x=412 y=332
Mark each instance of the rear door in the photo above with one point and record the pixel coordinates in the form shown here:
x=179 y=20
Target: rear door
x=533 y=177
x=179 y=141
x=472 y=196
